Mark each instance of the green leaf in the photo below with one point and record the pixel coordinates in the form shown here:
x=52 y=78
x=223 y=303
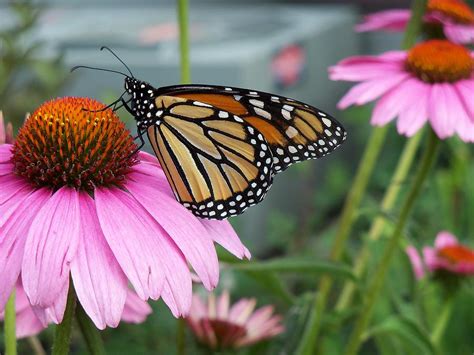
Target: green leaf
x=405 y=329
x=297 y=265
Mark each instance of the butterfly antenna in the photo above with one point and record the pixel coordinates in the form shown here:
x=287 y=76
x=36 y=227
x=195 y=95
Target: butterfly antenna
x=120 y=60
x=94 y=68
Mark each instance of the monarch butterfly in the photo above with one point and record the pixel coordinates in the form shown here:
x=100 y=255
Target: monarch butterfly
x=220 y=147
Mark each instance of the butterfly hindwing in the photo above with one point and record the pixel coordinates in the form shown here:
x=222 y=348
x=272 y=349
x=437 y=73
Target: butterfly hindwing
x=294 y=131
x=217 y=164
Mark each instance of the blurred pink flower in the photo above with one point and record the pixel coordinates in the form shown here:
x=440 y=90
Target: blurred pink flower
x=447 y=255
x=76 y=204
x=455 y=16
x=433 y=82
x=28 y=324
x=219 y=326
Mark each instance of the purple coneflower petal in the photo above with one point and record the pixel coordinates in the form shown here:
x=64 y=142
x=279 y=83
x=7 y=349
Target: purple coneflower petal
x=5 y=152
x=27 y=324
x=12 y=188
x=135 y=310
x=465 y=88
x=445 y=239
x=223 y=302
x=440 y=109
x=14 y=230
x=223 y=234
x=241 y=311
x=388 y=20
x=416 y=262
x=186 y=230
x=50 y=247
x=390 y=105
x=414 y=113
x=152 y=262
x=370 y=90
x=99 y=282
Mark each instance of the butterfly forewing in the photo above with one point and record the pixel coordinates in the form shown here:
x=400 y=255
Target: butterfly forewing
x=293 y=130
x=217 y=164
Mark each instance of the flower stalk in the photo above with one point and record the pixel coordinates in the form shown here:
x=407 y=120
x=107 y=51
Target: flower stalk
x=377 y=281
x=442 y=321
x=62 y=335
x=89 y=332
x=183 y=21
x=353 y=199
x=403 y=167
x=10 y=326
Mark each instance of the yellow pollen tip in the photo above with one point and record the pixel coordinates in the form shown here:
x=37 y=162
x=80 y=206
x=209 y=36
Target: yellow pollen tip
x=457 y=10
x=440 y=61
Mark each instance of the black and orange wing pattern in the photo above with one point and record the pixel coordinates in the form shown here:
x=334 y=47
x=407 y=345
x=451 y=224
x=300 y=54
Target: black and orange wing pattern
x=217 y=164
x=293 y=130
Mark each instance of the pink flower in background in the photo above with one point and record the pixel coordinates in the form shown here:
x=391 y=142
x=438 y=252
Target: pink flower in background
x=447 y=255
x=220 y=326
x=455 y=16
x=28 y=324
x=76 y=204
x=433 y=82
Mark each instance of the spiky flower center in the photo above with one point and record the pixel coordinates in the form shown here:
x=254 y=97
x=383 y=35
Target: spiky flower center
x=65 y=143
x=456 y=10
x=437 y=61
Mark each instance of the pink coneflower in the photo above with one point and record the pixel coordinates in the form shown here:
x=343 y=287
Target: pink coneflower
x=76 y=203
x=447 y=255
x=433 y=82
x=28 y=324
x=219 y=326
x=455 y=17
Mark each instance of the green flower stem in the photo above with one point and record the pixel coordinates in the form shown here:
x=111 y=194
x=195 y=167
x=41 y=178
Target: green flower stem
x=352 y=202
x=376 y=283
x=181 y=337
x=89 y=332
x=354 y=197
x=62 y=335
x=404 y=165
x=183 y=20
x=443 y=319
x=10 y=325
x=184 y=41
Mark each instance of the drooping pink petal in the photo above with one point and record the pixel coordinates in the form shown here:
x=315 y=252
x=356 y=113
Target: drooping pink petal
x=3 y=133
x=5 y=152
x=465 y=88
x=153 y=264
x=14 y=230
x=6 y=168
x=463 y=125
x=12 y=187
x=442 y=99
x=416 y=262
x=55 y=312
x=99 y=282
x=148 y=158
x=370 y=90
x=223 y=233
x=27 y=324
x=135 y=310
x=391 y=104
x=184 y=229
x=138 y=256
x=388 y=20
x=415 y=112
x=50 y=247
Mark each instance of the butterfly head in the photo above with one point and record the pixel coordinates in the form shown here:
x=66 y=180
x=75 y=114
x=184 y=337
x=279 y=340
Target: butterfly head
x=142 y=97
